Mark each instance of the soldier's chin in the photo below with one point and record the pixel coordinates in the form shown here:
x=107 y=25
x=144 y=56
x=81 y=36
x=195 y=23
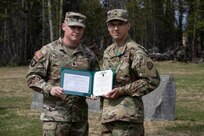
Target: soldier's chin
x=115 y=36
x=76 y=39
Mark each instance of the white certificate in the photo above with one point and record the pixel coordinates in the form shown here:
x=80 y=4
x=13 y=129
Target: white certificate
x=76 y=83
x=103 y=82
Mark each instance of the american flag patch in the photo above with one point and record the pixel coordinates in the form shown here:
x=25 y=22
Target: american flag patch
x=39 y=54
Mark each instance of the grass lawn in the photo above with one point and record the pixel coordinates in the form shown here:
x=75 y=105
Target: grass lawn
x=16 y=118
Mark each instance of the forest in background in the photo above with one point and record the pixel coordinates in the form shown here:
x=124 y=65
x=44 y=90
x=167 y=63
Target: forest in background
x=174 y=27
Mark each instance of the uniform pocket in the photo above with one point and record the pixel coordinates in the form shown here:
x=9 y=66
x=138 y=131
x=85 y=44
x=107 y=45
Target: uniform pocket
x=49 y=126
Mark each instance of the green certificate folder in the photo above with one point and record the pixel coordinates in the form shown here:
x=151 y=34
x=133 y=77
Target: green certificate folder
x=86 y=83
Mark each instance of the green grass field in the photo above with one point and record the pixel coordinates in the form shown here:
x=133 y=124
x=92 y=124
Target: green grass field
x=16 y=118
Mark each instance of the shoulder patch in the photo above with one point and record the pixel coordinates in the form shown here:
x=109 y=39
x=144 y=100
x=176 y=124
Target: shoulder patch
x=149 y=65
x=39 y=54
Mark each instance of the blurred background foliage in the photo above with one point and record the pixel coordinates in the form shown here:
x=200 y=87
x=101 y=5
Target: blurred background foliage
x=162 y=26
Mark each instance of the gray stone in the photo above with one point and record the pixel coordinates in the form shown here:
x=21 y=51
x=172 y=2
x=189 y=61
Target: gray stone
x=160 y=104
x=37 y=101
x=94 y=105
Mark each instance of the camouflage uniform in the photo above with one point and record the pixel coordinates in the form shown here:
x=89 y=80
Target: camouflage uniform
x=135 y=76
x=60 y=114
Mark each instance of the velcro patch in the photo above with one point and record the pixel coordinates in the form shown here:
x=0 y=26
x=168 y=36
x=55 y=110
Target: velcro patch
x=39 y=54
x=149 y=65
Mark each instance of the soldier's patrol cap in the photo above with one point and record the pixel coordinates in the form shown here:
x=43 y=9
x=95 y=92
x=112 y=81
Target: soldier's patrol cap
x=117 y=14
x=75 y=19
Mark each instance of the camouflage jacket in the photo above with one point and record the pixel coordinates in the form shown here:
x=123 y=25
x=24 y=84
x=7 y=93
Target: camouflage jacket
x=135 y=76
x=44 y=73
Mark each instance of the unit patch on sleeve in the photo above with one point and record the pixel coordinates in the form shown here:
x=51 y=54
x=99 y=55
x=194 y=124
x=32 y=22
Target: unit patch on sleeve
x=149 y=65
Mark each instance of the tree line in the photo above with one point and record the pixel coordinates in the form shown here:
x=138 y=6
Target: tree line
x=160 y=25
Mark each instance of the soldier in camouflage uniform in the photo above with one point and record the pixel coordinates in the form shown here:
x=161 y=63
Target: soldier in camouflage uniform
x=135 y=76
x=63 y=115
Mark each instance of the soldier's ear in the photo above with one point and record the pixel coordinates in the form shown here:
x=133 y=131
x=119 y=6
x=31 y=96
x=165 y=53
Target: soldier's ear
x=63 y=26
x=128 y=25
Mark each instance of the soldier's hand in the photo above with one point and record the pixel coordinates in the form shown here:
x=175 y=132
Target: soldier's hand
x=113 y=94
x=57 y=91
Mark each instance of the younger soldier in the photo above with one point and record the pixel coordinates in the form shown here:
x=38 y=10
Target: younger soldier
x=63 y=115
x=136 y=76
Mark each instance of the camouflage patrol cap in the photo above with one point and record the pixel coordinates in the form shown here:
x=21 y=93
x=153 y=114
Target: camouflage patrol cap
x=75 y=19
x=117 y=14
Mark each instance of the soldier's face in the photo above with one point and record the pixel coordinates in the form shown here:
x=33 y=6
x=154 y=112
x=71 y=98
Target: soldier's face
x=118 y=29
x=73 y=33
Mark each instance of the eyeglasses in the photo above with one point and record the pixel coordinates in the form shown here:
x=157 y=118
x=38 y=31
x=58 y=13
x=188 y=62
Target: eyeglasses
x=76 y=27
x=113 y=25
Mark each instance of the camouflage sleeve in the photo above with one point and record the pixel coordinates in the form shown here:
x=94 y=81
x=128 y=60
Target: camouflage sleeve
x=146 y=74
x=37 y=74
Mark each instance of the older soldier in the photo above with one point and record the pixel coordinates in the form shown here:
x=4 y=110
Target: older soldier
x=63 y=115
x=136 y=76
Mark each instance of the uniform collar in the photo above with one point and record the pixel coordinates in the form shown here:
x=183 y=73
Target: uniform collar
x=62 y=47
x=120 y=50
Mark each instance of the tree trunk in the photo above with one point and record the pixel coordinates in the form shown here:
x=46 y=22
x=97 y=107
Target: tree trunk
x=194 y=31
x=60 y=18
x=43 y=22
x=50 y=20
